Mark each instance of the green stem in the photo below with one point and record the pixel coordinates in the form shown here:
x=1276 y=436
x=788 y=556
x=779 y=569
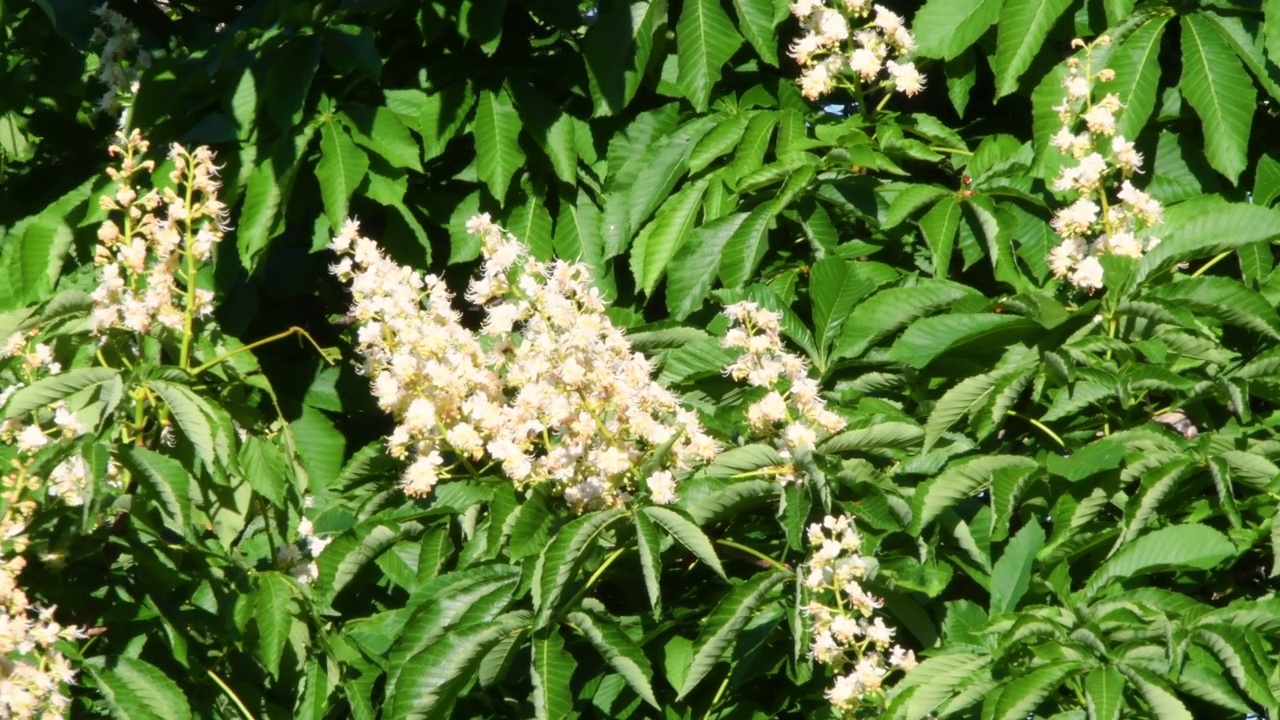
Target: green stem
x=189 y=311
x=755 y=554
x=953 y=151
x=1216 y=259
x=295 y=330
x=724 y=684
x=231 y=694
x=596 y=576
x=1040 y=426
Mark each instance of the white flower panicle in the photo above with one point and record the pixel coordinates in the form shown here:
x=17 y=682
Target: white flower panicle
x=852 y=39
x=299 y=559
x=34 y=673
x=846 y=634
x=547 y=391
x=792 y=409
x=1103 y=219
x=147 y=265
x=120 y=61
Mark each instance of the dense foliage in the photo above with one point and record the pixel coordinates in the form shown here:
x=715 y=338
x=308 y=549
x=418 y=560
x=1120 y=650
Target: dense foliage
x=898 y=361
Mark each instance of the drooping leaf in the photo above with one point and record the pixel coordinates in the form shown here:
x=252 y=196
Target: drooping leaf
x=758 y=19
x=694 y=267
x=1136 y=64
x=959 y=481
x=622 y=654
x=1011 y=574
x=1191 y=546
x=134 y=689
x=1024 y=26
x=341 y=168
x=562 y=559
x=946 y=28
x=497 y=131
x=721 y=629
x=53 y=388
x=167 y=480
x=551 y=669
x=687 y=534
x=1196 y=230
x=705 y=40
x=662 y=238
x=1221 y=92
x=273 y=618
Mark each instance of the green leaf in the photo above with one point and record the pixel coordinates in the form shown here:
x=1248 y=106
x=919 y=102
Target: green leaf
x=1104 y=693
x=497 y=132
x=1194 y=230
x=441 y=115
x=273 y=618
x=722 y=627
x=694 y=266
x=758 y=20
x=551 y=670
x=946 y=28
x=383 y=132
x=731 y=500
x=705 y=40
x=1220 y=90
x=1024 y=27
x=1011 y=575
x=264 y=467
x=724 y=137
x=618 y=650
x=928 y=338
x=1137 y=67
x=1226 y=299
x=939 y=226
x=1234 y=647
x=650 y=558
x=195 y=417
x=1021 y=695
x=746 y=248
x=341 y=168
x=959 y=481
x=934 y=681
x=32 y=261
x=662 y=238
x=881 y=435
x=1191 y=546
x=911 y=199
x=165 y=478
x=137 y=690
x=618 y=49
x=687 y=534
x=966 y=398
x=891 y=309
x=551 y=128
x=835 y=284
x=430 y=681
x=348 y=554
x=1164 y=704
x=563 y=558
x=53 y=388
x=320 y=448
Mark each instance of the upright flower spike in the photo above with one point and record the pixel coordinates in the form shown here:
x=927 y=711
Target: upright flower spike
x=120 y=62
x=852 y=42
x=1109 y=214
x=148 y=263
x=846 y=634
x=547 y=392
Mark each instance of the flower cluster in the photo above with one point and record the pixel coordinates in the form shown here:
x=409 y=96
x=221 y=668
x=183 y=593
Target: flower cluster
x=147 y=266
x=1097 y=223
x=857 y=646
x=854 y=39
x=120 y=61
x=791 y=408
x=547 y=391
x=33 y=672
x=299 y=559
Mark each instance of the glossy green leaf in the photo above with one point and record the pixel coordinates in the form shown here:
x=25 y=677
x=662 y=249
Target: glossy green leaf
x=1136 y=63
x=497 y=131
x=693 y=268
x=1024 y=26
x=929 y=338
x=1011 y=575
x=1104 y=693
x=563 y=558
x=662 y=238
x=550 y=671
x=1190 y=546
x=273 y=618
x=705 y=40
x=618 y=650
x=341 y=168
x=894 y=308
x=687 y=534
x=946 y=28
x=721 y=629
x=960 y=481
x=1221 y=92
x=758 y=21
x=137 y=690
x=53 y=388
x=166 y=480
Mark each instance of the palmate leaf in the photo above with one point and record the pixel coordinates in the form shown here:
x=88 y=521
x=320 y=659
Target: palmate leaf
x=687 y=534
x=694 y=267
x=959 y=481
x=1164 y=704
x=166 y=479
x=618 y=48
x=622 y=654
x=1201 y=229
x=650 y=558
x=1137 y=66
x=946 y=28
x=732 y=499
x=1016 y=699
x=453 y=599
x=717 y=143
x=835 y=284
x=891 y=309
x=891 y=434
x=341 y=168
x=757 y=20
x=497 y=131
x=911 y=199
x=1011 y=575
x=57 y=387
x=1190 y=546
x=933 y=682
x=273 y=618
x=964 y=399
x=928 y=338
x=705 y=40
x=662 y=238
x=1104 y=693
x=1226 y=299
x=746 y=247
x=137 y=690
x=1236 y=649
x=430 y=681
x=198 y=421
x=550 y=670
x=1024 y=25
x=563 y=557
x=1221 y=92
x=32 y=261
x=348 y=554
x=721 y=629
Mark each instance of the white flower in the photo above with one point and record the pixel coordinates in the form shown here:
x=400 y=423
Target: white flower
x=906 y=78
x=662 y=487
x=1088 y=274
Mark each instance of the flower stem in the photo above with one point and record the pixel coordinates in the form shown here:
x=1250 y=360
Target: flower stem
x=755 y=554
x=1040 y=426
x=235 y=699
x=295 y=330
x=1216 y=259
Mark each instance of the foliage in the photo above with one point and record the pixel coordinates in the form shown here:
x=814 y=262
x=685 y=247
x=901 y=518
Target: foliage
x=1066 y=486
